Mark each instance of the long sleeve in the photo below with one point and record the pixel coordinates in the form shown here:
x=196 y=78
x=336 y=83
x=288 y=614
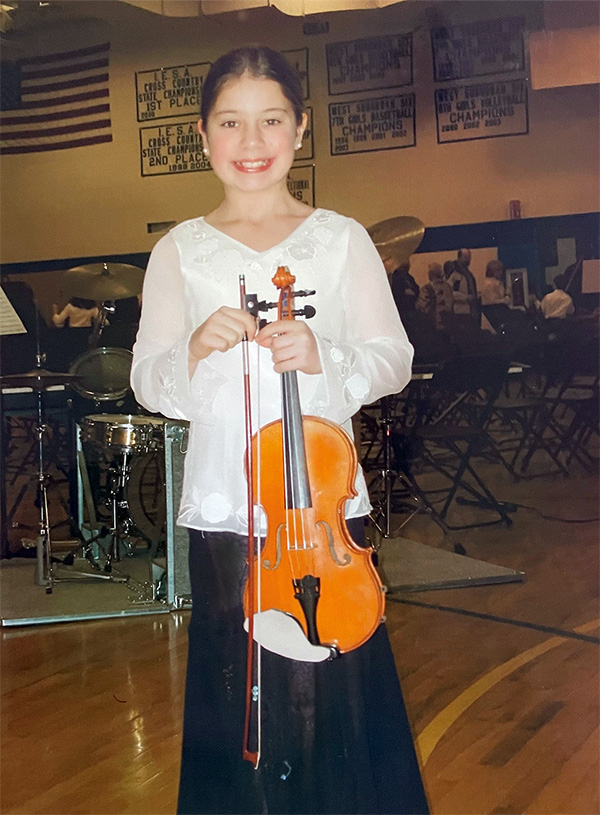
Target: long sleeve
x=363 y=348
x=159 y=373
x=60 y=319
x=374 y=356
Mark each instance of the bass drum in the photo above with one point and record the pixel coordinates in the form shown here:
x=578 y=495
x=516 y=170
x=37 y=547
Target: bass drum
x=104 y=374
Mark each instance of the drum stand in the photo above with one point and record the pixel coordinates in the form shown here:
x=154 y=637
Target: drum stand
x=121 y=519
x=381 y=515
x=45 y=574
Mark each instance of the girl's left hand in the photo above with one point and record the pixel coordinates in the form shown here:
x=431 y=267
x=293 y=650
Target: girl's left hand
x=293 y=346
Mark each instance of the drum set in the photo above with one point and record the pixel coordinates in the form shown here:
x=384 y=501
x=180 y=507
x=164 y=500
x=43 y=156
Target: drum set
x=110 y=447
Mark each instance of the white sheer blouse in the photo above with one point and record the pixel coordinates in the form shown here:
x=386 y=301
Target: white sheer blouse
x=364 y=350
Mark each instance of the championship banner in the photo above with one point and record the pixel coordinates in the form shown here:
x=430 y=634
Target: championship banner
x=301 y=183
x=299 y=61
x=369 y=64
x=481 y=111
x=480 y=48
x=172 y=148
x=365 y=125
x=167 y=92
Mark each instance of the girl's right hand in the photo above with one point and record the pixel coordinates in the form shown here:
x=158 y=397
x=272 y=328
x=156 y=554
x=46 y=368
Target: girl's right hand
x=222 y=331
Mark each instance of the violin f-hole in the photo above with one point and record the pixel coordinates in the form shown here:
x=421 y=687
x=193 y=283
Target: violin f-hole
x=267 y=563
x=331 y=544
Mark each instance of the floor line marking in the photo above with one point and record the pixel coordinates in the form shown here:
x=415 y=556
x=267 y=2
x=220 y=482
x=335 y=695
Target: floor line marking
x=433 y=732
x=465 y=612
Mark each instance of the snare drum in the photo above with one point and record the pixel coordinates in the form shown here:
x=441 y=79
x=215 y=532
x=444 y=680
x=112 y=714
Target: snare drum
x=123 y=434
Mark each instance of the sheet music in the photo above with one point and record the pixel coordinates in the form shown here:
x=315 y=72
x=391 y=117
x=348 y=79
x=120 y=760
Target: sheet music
x=10 y=322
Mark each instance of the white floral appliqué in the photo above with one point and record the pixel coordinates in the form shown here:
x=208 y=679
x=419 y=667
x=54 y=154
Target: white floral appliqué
x=323 y=234
x=358 y=386
x=215 y=507
x=223 y=262
x=207 y=248
x=168 y=379
x=196 y=230
x=302 y=250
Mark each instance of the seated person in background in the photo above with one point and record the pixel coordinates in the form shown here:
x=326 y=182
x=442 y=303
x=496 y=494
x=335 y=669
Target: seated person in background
x=405 y=288
x=435 y=299
x=464 y=290
x=448 y=268
x=558 y=304
x=78 y=313
x=494 y=300
x=493 y=292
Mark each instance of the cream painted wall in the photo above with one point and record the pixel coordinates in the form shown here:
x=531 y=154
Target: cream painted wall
x=93 y=200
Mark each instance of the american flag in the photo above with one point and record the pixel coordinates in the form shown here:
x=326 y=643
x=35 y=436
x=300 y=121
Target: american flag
x=55 y=101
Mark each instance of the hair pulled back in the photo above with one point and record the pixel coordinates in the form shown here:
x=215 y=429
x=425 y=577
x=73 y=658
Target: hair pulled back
x=258 y=61
x=495 y=268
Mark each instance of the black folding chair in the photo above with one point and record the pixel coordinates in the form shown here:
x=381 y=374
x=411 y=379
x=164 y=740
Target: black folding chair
x=518 y=424
x=570 y=395
x=450 y=430
x=390 y=491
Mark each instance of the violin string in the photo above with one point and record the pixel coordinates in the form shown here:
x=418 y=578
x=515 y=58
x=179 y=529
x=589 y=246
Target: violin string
x=288 y=483
x=258 y=556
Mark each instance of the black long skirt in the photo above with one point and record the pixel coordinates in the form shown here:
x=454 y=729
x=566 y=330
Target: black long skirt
x=335 y=736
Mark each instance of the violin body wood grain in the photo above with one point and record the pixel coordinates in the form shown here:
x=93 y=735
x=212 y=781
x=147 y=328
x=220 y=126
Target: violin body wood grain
x=315 y=540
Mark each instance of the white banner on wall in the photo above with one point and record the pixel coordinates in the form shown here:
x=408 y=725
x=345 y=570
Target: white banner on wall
x=299 y=61
x=301 y=183
x=364 y=125
x=163 y=93
x=172 y=148
x=369 y=64
x=480 y=48
x=481 y=111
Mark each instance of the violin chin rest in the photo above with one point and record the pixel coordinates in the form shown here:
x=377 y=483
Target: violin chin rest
x=282 y=634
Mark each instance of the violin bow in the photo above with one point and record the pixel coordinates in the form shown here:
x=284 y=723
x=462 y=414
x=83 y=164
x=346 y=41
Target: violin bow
x=252 y=689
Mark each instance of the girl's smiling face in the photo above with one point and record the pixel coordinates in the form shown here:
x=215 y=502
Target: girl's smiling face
x=251 y=134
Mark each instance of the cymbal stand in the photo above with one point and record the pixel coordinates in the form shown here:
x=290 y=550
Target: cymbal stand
x=43 y=543
x=381 y=515
x=45 y=562
x=107 y=307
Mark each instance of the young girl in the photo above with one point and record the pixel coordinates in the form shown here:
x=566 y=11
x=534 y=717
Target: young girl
x=335 y=737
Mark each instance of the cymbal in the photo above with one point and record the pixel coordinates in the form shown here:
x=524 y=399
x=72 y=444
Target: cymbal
x=397 y=238
x=104 y=281
x=39 y=379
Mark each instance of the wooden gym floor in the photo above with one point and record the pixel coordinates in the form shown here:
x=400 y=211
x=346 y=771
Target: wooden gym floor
x=500 y=683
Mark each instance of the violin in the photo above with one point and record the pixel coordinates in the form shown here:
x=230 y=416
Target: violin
x=310 y=568
x=302 y=470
